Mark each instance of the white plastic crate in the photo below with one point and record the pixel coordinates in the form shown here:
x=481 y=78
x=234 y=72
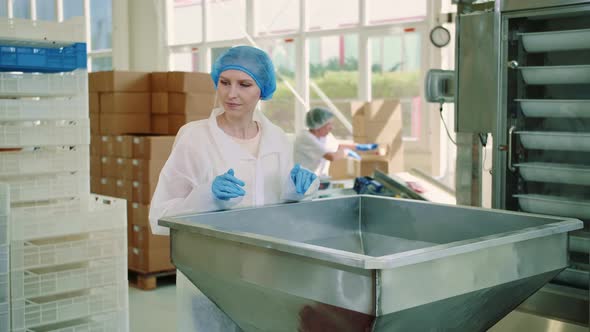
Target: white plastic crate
x=67 y=249
x=44 y=133
x=4 y=288
x=66 y=217
x=69 y=31
x=43 y=85
x=47 y=187
x=28 y=109
x=28 y=314
x=44 y=160
x=4 y=317
x=111 y=322
x=29 y=284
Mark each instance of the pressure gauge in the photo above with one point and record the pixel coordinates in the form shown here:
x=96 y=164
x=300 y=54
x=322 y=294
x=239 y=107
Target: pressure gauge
x=439 y=36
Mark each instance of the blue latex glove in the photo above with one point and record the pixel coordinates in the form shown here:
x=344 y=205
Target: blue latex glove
x=366 y=147
x=302 y=178
x=352 y=154
x=226 y=186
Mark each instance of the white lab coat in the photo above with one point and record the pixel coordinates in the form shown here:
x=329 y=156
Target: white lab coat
x=310 y=150
x=201 y=152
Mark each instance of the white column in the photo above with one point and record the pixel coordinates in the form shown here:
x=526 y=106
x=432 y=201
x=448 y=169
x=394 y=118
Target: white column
x=59 y=10
x=364 y=63
x=120 y=37
x=33 y=11
x=302 y=68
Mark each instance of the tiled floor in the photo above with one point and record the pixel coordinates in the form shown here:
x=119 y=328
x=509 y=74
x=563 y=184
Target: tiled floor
x=153 y=310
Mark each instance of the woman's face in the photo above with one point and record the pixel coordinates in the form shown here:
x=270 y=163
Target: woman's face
x=237 y=91
x=326 y=129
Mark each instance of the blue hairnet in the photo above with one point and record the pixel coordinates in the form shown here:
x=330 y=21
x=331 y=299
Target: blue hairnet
x=317 y=117
x=252 y=61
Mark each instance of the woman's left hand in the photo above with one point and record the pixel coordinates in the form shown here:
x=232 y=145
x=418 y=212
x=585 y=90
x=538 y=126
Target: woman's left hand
x=302 y=178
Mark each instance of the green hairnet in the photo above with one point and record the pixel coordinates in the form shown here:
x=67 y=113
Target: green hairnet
x=317 y=117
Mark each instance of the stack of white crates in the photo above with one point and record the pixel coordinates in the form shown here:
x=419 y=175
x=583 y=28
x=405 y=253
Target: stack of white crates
x=63 y=251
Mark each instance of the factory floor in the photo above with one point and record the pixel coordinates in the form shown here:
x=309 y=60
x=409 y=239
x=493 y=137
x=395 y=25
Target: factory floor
x=153 y=310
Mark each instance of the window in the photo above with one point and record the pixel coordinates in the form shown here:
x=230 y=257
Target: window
x=46 y=10
x=281 y=108
x=334 y=70
x=102 y=63
x=188 y=22
x=392 y=11
x=101 y=24
x=186 y=61
x=321 y=14
x=396 y=74
x=73 y=8
x=21 y=8
x=277 y=16
x=226 y=19
x=3 y=8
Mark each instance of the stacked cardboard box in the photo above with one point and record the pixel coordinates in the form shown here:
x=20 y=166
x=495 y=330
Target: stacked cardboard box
x=178 y=98
x=120 y=102
x=128 y=166
x=378 y=121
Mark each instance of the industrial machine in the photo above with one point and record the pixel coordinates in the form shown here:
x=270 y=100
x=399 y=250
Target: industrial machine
x=523 y=74
x=368 y=263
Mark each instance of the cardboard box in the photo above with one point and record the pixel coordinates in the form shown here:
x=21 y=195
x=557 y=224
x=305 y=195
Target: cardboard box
x=144 y=170
x=107 y=146
x=175 y=122
x=152 y=147
x=93 y=102
x=125 y=123
x=138 y=214
x=95 y=186
x=146 y=261
x=344 y=169
x=95 y=166
x=107 y=167
x=143 y=191
x=123 y=146
x=121 y=81
x=94 y=123
x=123 y=168
x=123 y=189
x=160 y=123
x=378 y=121
x=190 y=82
x=125 y=102
x=95 y=145
x=107 y=187
x=160 y=102
x=191 y=103
x=159 y=81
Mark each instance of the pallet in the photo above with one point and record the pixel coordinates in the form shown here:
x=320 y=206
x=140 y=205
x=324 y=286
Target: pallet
x=148 y=281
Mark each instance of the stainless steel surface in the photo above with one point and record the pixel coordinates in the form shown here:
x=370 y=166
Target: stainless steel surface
x=526 y=321
x=439 y=86
x=537 y=75
x=476 y=104
x=580 y=242
x=554 y=205
x=560 y=108
x=550 y=41
x=555 y=173
x=575 y=278
x=511 y=5
x=368 y=263
x=561 y=141
x=397 y=185
x=510 y=140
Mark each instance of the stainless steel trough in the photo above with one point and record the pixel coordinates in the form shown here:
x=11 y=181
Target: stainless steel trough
x=366 y=263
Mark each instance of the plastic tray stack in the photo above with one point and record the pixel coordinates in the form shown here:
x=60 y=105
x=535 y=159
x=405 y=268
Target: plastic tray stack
x=63 y=251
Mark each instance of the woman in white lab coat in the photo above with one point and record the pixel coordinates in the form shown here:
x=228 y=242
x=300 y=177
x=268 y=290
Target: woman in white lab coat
x=236 y=158
x=316 y=147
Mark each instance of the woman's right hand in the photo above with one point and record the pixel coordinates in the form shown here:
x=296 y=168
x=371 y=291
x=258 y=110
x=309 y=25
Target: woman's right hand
x=227 y=186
